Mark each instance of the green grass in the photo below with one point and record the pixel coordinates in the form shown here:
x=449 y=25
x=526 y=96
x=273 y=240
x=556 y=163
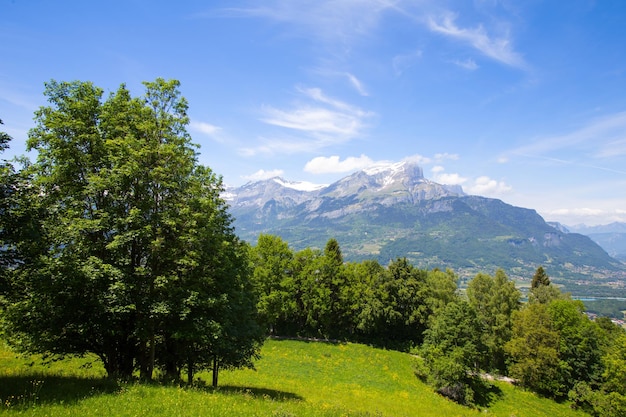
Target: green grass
x=293 y=378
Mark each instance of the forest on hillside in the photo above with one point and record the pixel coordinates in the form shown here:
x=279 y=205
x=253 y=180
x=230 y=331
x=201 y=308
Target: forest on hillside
x=547 y=344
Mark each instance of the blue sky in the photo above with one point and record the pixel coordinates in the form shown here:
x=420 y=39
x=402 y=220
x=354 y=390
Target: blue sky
x=519 y=100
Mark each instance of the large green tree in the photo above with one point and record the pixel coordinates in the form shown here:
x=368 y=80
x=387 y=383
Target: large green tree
x=395 y=315
x=6 y=171
x=451 y=351
x=6 y=190
x=495 y=299
x=534 y=350
x=580 y=344
x=274 y=283
x=138 y=263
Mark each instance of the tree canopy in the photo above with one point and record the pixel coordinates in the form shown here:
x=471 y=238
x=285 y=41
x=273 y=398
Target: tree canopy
x=135 y=258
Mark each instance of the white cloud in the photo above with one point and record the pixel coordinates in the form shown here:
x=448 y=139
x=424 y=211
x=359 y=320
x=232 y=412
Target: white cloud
x=263 y=175
x=486 y=186
x=403 y=62
x=205 y=128
x=444 y=178
x=318 y=95
x=583 y=211
x=337 y=22
x=585 y=215
x=449 y=179
x=613 y=148
x=314 y=120
x=439 y=157
x=337 y=117
x=333 y=164
x=357 y=84
x=319 y=121
x=289 y=146
x=499 y=49
x=417 y=159
x=468 y=64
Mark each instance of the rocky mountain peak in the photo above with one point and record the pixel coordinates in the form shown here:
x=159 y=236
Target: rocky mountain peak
x=386 y=184
x=390 y=184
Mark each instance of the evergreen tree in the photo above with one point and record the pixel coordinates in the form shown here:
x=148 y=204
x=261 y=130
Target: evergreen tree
x=540 y=278
x=541 y=290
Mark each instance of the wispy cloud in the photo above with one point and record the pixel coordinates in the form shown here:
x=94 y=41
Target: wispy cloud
x=340 y=24
x=315 y=120
x=402 y=62
x=468 y=64
x=601 y=138
x=357 y=84
x=206 y=129
x=419 y=159
x=18 y=98
x=332 y=21
x=440 y=157
x=496 y=48
x=288 y=145
x=319 y=121
x=352 y=80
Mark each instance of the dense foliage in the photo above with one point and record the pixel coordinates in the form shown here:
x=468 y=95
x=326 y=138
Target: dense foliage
x=130 y=253
x=313 y=293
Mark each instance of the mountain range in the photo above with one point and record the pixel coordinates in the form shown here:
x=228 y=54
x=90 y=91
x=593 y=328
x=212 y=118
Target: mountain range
x=612 y=237
x=392 y=211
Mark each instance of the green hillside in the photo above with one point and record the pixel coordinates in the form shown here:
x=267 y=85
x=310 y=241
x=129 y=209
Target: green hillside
x=293 y=378
x=467 y=234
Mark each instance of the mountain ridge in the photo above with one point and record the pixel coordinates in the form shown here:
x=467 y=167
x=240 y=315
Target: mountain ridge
x=611 y=237
x=394 y=211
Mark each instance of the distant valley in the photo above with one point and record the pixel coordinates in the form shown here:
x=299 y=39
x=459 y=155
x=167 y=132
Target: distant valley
x=392 y=211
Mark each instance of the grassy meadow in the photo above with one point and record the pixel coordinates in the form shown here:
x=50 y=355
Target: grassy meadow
x=293 y=378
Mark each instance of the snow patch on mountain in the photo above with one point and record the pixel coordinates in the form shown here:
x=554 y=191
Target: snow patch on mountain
x=390 y=168
x=299 y=185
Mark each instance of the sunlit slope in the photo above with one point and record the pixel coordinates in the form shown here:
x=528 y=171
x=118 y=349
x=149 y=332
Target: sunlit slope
x=293 y=378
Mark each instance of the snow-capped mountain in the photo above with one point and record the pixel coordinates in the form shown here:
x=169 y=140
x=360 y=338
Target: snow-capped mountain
x=390 y=184
x=391 y=211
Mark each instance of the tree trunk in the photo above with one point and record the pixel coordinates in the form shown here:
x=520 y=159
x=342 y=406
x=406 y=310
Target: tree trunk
x=145 y=373
x=119 y=359
x=215 y=371
x=189 y=371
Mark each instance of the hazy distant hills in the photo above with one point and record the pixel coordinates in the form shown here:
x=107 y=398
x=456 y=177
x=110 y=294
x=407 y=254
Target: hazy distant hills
x=612 y=237
x=393 y=211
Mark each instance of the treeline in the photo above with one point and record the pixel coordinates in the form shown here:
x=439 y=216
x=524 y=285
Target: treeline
x=313 y=293
x=547 y=344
